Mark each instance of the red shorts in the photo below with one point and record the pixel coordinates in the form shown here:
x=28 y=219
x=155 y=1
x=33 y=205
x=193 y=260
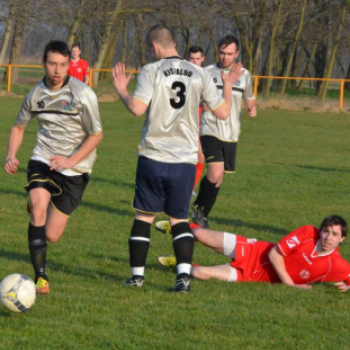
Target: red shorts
x=252 y=262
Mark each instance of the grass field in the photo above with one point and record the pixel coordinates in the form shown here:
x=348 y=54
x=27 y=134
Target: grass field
x=292 y=169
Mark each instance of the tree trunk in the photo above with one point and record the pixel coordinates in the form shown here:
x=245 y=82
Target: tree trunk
x=106 y=39
x=329 y=68
x=7 y=34
x=273 y=47
x=294 y=46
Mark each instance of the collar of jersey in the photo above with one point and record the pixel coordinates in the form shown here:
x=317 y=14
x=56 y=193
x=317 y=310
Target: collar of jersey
x=172 y=57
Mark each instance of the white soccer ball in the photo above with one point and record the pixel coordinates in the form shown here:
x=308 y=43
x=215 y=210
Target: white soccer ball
x=17 y=293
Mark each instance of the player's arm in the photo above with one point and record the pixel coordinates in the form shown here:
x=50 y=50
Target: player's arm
x=223 y=111
x=86 y=79
x=120 y=82
x=250 y=107
x=277 y=262
x=343 y=287
x=60 y=162
x=14 y=143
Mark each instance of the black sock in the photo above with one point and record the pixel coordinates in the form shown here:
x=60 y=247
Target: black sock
x=206 y=196
x=37 y=249
x=139 y=243
x=183 y=244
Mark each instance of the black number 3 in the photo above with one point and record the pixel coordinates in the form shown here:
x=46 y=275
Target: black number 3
x=180 y=90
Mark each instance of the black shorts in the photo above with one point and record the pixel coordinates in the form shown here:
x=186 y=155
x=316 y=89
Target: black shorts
x=66 y=191
x=164 y=187
x=217 y=151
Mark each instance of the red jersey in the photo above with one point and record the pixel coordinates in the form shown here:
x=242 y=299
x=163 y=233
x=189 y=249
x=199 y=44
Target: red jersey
x=78 y=69
x=303 y=263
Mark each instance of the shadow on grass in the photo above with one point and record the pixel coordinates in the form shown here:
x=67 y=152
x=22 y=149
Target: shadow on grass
x=112 y=182
x=67 y=269
x=310 y=167
x=238 y=224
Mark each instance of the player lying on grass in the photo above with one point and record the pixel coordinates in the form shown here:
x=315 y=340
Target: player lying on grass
x=304 y=256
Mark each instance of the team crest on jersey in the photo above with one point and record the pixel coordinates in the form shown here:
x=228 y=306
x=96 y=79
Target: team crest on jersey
x=304 y=274
x=66 y=106
x=293 y=242
x=79 y=70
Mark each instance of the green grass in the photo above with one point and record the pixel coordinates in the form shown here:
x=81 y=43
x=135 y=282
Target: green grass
x=292 y=169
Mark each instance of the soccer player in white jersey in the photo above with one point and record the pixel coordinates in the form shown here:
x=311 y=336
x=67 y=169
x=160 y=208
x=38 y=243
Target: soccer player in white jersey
x=219 y=137
x=170 y=90
x=58 y=172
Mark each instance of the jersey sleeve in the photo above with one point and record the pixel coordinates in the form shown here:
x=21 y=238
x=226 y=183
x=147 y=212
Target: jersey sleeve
x=90 y=112
x=25 y=114
x=211 y=95
x=144 y=87
x=248 y=94
x=295 y=238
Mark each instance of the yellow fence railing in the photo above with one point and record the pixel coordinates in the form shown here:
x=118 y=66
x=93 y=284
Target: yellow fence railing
x=255 y=77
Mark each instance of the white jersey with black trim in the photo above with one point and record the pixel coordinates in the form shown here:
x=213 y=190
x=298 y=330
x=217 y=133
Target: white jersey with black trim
x=227 y=130
x=66 y=119
x=173 y=88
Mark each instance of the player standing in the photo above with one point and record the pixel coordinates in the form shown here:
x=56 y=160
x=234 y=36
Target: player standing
x=304 y=256
x=58 y=172
x=170 y=90
x=78 y=68
x=219 y=137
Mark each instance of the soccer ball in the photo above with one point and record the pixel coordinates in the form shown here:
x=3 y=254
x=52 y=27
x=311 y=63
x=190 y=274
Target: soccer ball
x=17 y=293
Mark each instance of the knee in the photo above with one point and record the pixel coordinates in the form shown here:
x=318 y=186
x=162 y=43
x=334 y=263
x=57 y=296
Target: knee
x=38 y=216
x=215 y=177
x=53 y=237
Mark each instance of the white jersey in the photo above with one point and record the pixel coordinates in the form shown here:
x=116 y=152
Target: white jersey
x=66 y=119
x=173 y=88
x=227 y=130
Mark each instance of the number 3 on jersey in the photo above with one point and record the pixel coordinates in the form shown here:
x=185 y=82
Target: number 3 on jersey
x=180 y=89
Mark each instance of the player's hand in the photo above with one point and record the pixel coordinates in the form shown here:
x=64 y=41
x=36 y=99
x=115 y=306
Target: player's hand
x=120 y=81
x=342 y=286
x=233 y=75
x=206 y=108
x=58 y=163
x=11 y=165
x=251 y=111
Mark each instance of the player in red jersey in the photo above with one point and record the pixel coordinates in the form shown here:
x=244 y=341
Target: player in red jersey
x=196 y=56
x=78 y=68
x=304 y=256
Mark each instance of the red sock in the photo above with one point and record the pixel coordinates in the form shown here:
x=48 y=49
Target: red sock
x=193 y=226
x=199 y=172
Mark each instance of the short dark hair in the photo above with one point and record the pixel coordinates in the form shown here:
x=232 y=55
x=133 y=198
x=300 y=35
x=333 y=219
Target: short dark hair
x=56 y=46
x=76 y=45
x=195 y=49
x=228 y=40
x=160 y=34
x=335 y=220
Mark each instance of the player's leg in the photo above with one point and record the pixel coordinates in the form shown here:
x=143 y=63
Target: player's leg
x=200 y=165
x=178 y=187
x=210 y=238
x=39 y=200
x=220 y=272
x=55 y=224
x=210 y=184
x=139 y=242
x=148 y=200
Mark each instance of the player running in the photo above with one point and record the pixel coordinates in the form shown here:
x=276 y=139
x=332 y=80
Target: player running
x=58 y=172
x=170 y=90
x=304 y=256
